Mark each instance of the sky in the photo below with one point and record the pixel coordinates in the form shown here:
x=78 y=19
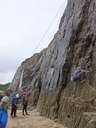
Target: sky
x=26 y=27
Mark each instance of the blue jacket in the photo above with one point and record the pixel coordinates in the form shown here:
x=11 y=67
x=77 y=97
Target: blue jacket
x=14 y=101
x=3 y=118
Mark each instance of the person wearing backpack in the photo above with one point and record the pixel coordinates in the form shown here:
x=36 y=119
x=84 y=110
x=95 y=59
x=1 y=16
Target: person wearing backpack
x=4 y=112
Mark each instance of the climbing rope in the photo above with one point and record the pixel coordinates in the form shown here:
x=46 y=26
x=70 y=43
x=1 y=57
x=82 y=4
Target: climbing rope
x=50 y=25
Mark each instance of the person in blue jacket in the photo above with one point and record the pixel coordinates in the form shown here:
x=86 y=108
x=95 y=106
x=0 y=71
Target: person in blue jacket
x=14 y=106
x=3 y=112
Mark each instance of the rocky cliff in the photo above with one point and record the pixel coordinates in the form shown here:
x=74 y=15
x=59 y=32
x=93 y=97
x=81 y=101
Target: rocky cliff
x=48 y=74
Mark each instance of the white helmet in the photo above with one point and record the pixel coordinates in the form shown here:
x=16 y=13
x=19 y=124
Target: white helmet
x=17 y=95
x=5 y=99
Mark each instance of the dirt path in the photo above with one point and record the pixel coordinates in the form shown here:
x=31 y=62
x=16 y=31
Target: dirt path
x=32 y=121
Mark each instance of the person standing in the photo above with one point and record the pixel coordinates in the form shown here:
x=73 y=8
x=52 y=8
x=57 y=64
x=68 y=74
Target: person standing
x=4 y=105
x=25 y=104
x=14 y=106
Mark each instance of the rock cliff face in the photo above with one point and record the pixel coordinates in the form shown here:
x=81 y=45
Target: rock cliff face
x=48 y=74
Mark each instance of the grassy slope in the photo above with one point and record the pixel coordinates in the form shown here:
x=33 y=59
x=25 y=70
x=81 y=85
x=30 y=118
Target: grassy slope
x=4 y=87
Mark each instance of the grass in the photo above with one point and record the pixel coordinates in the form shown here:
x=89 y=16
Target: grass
x=4 y=87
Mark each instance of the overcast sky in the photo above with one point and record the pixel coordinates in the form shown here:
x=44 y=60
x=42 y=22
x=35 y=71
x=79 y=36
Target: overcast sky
x=22 y=25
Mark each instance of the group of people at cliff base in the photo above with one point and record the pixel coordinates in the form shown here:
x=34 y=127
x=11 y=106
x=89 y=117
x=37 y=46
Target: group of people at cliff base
x=13 y=100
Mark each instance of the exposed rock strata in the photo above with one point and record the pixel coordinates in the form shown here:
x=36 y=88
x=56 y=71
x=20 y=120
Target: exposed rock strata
x=48 y=73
